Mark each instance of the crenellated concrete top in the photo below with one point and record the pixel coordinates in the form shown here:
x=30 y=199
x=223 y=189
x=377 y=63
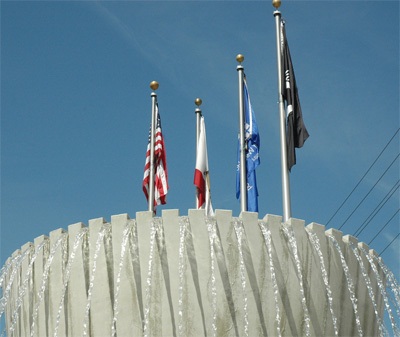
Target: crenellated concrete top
x=192 y=275
x=224 y=216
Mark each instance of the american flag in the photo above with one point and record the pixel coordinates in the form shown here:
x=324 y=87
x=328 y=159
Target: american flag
x=160 y=164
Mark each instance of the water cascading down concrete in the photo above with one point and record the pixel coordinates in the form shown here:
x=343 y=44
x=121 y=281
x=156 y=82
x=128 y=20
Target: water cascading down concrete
x=197 y=276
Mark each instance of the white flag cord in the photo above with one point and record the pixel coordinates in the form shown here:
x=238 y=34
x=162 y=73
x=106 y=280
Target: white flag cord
x=198 y=117
x=242 y=142
x=152 y=136
x=287 y=213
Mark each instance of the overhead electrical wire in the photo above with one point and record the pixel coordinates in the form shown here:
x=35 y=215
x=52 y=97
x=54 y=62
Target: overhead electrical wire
x=370 y=191
x=384 y=226
x=363 y=176
x=370 y=217
x=389 y=244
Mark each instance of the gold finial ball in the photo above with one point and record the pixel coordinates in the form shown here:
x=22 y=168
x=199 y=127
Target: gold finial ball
x=239 y=58
x=276 y=3
x=154 y=85
x=198 y=101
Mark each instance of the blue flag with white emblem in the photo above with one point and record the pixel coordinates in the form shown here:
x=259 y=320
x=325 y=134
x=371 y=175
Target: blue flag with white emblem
x=252 y=142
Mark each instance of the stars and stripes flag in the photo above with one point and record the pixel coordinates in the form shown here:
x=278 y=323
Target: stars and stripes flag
x=252 y=141
x=201 y=173
x=160 y=166
x=296 y=133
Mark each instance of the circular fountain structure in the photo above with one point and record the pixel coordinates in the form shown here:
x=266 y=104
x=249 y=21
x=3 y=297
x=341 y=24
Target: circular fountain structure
x=197 y=276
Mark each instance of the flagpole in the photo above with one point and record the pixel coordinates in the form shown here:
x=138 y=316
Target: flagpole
x=154 y=87
x=287 y=213
x=198 y=102
x=242 y=144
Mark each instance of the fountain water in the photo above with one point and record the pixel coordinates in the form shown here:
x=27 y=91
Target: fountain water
x=267 y=237
x=197 y=276
x=78 y=241
x=350 y=285
x=315 y=242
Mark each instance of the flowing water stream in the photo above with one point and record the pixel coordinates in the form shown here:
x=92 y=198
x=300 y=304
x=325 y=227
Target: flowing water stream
x=211 y=287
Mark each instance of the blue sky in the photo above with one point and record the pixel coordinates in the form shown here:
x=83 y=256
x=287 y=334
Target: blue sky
x=75 y=108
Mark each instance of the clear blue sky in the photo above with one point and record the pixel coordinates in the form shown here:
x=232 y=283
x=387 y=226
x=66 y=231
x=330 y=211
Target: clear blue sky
x=75 y=108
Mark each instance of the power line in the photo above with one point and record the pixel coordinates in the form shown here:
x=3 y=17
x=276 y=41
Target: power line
x=370 y=190
x=363 y=176
x=384 y=226
x=361 y=228
x=389 y=244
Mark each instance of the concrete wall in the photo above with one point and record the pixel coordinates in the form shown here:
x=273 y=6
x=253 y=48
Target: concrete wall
x=189 y=276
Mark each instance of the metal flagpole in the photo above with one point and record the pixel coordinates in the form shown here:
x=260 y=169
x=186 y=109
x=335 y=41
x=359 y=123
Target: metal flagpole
x=242 y=136
x=154 y=87
x=282 y=116
x=198 y=102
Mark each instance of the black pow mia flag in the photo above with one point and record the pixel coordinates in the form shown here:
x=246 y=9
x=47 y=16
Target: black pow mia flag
x=296 y=132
